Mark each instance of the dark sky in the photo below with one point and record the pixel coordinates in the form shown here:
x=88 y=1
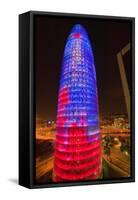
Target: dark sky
x=107 y=38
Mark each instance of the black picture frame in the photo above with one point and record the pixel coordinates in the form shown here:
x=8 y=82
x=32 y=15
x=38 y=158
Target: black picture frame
x=27 y=100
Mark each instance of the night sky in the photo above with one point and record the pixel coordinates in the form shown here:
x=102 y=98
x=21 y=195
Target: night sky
x=107 y=38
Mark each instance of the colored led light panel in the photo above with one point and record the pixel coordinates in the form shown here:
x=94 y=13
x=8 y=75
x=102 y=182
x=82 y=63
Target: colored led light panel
x=77 y=146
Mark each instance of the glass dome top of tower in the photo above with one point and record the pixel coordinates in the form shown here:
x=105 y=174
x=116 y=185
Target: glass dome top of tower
x=78 y=31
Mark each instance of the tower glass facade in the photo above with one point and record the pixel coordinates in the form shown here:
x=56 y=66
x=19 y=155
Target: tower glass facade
x=78 y=146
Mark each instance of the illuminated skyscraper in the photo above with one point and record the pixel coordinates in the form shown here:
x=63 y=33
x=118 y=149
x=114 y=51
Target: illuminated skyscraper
x=77 y=146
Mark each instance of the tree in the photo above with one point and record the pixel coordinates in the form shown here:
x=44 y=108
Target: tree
x=107 y=144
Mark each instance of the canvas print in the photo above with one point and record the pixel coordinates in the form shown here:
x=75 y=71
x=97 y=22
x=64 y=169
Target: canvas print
x=83 y=70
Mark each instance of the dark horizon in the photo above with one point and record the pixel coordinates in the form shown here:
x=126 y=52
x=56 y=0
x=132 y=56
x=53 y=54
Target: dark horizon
x=107 y=38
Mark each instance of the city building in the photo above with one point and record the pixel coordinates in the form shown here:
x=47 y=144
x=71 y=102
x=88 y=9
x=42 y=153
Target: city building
x=78 y=144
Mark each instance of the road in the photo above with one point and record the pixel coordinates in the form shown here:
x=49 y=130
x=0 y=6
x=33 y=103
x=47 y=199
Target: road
x=43 y=167
x=118 y=163
x=44 y=160
x=120 y=160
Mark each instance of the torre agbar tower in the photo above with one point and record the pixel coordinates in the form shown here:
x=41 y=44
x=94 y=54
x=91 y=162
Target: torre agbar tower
x=78 y=146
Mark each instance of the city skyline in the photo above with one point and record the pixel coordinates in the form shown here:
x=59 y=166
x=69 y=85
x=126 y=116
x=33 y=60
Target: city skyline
x=111 y=97
x=82 y=131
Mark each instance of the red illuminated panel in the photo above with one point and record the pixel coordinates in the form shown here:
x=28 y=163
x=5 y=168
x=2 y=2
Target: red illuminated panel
x=77 y=153
x=76 y=35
